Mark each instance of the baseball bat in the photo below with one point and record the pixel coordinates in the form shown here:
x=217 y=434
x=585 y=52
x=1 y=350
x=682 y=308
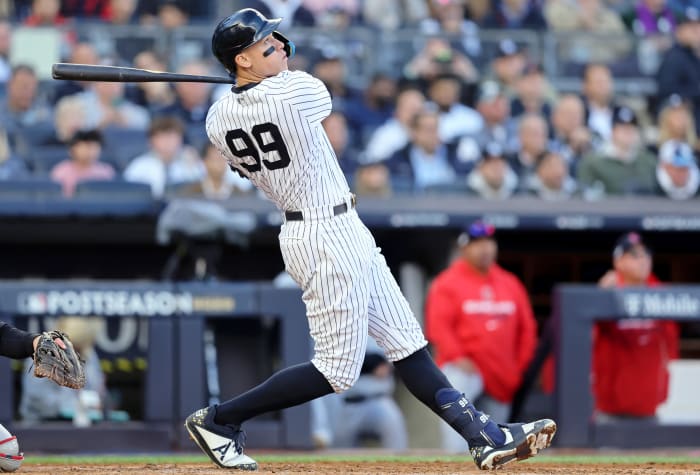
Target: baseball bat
x=90 y=72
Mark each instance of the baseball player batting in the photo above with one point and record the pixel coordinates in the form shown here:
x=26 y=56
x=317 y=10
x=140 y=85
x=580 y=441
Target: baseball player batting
x=269 y=129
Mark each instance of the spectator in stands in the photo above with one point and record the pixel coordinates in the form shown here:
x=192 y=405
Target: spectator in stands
x=372 y=179
x=44 y=400
x=83 y=163
x=516 y=14
x=456 y=119
x=367 y=112
x=11 y=167
x=650 y=18
x=334 y=15
x=572 y=139
x=219 y=181
x=23 y=107
x=172 y=14
x=86 y=10
x=106 y=106
x=394 y=14
x=438 y=58
x=622 y=166
x=154 y=96
x=336 y=127
x=508 y=66
x=122 y=12
x=293 y=11
x=601 y=35
x=45 y=13
x=81 y=53
x=5 y=44
x=598 y=93
x=498 y=125
x=679 y=72
x=631 y=356
x=447 y=17
x=481 y=325
x=69 y=117
x=551 y=180
x=192 y=100
x=168 y=162
x=394 y=134
x=676 y=122
x=533 y=93
x=533 y=136
x=427 y=161
x=677 y=173
x=330 y=68
x=493 y=178
x=592 y=16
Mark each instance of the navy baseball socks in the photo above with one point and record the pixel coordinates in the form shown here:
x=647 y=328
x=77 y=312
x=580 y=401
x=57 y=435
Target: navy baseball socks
x=493 y=445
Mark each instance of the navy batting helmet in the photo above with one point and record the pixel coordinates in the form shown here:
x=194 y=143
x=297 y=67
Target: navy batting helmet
x=241 y=30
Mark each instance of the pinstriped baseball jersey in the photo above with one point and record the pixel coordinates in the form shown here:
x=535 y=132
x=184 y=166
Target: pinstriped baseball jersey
x=271 y=132
x=294 y=164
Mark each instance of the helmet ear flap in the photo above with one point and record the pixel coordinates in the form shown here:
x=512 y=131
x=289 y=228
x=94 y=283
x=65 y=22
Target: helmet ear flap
x=289 y=46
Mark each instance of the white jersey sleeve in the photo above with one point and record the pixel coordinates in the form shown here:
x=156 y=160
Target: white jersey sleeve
x=304 y=92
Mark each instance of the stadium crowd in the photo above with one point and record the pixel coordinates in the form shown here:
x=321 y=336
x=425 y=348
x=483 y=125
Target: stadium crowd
x=459 y=116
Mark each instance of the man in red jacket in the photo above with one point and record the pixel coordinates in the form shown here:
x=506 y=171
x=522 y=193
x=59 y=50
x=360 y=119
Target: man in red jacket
x=631 y=356
x=480 y=322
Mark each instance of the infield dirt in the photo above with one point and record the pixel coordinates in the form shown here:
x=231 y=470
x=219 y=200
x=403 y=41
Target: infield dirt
x=369 y=468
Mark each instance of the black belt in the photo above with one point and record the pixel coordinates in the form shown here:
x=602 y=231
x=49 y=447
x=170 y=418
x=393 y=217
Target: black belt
x=337 y=209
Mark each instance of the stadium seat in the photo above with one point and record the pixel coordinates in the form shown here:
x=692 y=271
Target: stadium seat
x=28 y=190
x=113 y=190
x=122 y=145
x=42 y=159
x=27 y=138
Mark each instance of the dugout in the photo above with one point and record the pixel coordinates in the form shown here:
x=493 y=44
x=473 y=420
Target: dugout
x=203 y=340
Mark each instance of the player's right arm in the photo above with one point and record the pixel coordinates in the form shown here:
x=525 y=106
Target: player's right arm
x=15 y=343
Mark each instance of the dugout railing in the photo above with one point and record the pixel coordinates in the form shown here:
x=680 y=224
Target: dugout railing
x=575 y=309
x=185 y=370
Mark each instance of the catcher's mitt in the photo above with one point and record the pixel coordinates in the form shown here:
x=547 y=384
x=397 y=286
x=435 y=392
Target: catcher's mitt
x=64 y=367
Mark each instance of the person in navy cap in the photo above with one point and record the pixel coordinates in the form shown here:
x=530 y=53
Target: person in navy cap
x=480 y=322
x=621 y=166
x=677 y=172
x=679 y=72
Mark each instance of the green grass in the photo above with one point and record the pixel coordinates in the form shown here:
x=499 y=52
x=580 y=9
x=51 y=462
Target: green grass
x=310 y=458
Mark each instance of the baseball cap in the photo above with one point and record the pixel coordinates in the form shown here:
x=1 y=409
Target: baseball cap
x=507 y=47
x=676 y=153
x=625 y=115
x=626 y=242
x=489 y=91
x=689 y=15
x=674 y=100
x=476 y=230
x=492 y=150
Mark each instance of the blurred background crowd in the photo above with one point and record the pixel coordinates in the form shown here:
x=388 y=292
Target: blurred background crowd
x=487 y=98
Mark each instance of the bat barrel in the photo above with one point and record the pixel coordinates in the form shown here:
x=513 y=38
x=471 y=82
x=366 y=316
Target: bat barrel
x=89 y=72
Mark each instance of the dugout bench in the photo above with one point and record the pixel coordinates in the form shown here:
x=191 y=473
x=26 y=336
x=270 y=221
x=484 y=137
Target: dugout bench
x=184 y=371
x=575 y=309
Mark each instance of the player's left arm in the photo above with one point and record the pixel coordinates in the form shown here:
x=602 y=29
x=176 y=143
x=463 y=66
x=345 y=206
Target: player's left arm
x=16 y=343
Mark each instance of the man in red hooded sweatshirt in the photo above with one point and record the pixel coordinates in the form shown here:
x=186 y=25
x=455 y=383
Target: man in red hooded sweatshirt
x=631 y=356
x=480 y=323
